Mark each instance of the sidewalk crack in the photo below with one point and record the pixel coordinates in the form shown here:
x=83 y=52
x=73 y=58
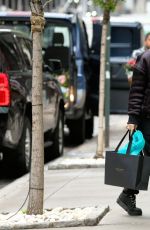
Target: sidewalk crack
x=68 y=182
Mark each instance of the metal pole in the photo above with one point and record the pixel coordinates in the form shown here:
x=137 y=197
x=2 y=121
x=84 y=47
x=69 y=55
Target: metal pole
x=19 y=5
x=84 y=7
x=107 y=88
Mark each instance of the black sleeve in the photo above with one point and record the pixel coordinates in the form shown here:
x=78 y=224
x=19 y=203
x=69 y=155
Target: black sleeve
x=137 y=91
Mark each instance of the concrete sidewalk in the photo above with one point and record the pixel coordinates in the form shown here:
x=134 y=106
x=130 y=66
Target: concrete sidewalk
x=83 y=156
x=80 y=188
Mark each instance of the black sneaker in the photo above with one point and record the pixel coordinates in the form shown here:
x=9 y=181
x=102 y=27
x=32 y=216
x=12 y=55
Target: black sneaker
x=128 y=203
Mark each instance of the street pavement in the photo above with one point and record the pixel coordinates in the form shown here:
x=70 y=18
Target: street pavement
x=82 y=187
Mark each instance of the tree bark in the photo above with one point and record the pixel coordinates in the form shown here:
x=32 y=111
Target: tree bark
x=36 y=184
x=101 y=134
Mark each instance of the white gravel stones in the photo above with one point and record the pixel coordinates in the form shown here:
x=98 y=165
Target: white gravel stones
x=58 y=217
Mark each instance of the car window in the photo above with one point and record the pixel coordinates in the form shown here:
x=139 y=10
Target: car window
x=9 y=54
x=56 y=36
x=49 y=30
x=123 y=40
x=49 y=38
x=27 y=51
x=23 y=26
x=56 y=44
x=26 y=28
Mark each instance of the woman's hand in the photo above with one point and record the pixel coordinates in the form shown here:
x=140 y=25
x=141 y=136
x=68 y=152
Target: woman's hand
x=131 y=127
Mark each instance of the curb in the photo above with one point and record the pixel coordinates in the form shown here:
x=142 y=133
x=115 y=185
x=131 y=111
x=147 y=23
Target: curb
x=91 y=220
x=76 y=163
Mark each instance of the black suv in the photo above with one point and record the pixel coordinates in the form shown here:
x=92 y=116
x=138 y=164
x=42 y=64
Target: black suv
x=16 y=104
x=125 y=37
x=65 y=39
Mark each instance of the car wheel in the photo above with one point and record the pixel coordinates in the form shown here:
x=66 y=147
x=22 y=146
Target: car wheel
x=58 y=136
x=24 y=148
x=89 y=127
x=77 y=130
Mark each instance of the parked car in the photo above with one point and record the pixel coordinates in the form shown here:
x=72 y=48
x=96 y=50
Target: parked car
x=126 y=36
x=142 y=18
x=16 y=103
x=65 y=39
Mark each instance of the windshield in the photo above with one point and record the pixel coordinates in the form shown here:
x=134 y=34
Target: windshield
x=48 y=34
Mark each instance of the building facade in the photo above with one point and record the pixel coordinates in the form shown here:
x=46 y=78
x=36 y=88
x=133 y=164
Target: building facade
x=25 y=4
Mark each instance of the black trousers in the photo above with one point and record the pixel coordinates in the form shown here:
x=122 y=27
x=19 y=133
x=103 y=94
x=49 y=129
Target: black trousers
x=144 y=127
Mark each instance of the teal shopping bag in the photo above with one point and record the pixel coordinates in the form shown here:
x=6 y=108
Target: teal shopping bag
x=138 y=143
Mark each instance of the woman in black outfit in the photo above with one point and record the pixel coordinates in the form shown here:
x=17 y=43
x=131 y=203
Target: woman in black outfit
x=139 y=118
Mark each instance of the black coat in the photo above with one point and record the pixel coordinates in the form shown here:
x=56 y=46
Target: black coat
x=139 y=97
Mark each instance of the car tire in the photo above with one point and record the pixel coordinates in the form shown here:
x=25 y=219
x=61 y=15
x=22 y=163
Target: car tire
x=89 y=127
x=24 y=148
x=58 y=136
x=77 y=130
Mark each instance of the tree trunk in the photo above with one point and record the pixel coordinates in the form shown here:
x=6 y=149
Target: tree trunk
x=101 y=137
x=36 y=186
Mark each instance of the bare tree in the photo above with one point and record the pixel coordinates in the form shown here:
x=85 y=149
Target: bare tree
x=36 y=194
x=107 y=6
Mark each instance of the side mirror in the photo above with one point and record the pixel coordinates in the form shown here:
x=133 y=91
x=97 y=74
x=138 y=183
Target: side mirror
x=55 y=66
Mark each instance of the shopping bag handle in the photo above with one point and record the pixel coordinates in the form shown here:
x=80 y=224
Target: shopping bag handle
x=129 y=145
